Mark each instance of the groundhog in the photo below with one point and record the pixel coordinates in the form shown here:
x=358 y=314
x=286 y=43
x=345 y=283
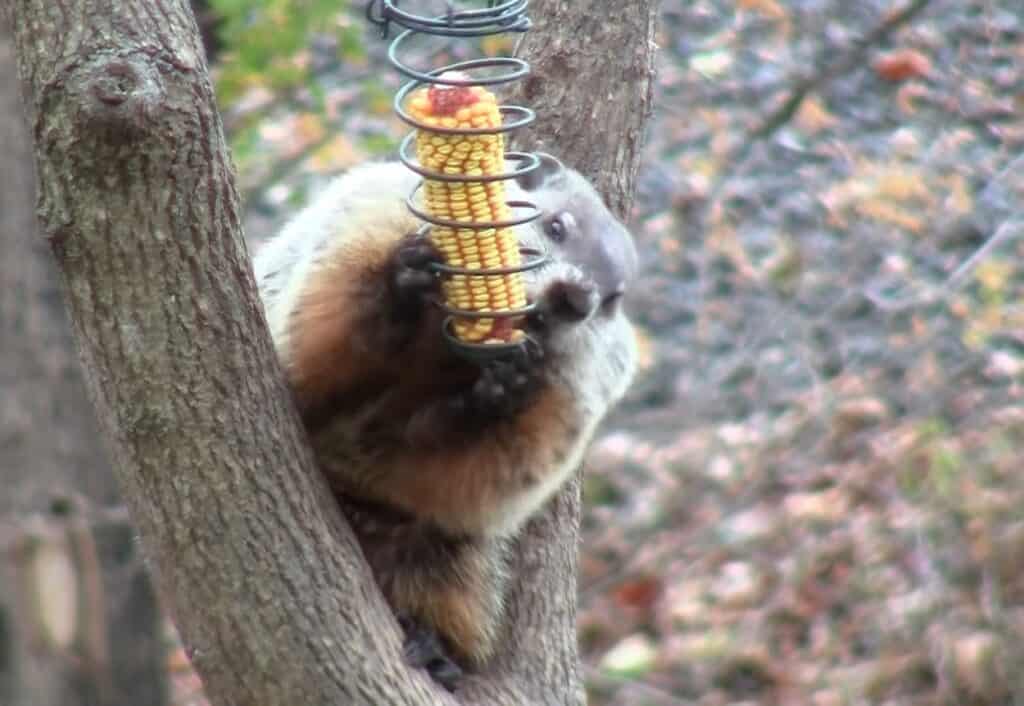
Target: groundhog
x=438 y=460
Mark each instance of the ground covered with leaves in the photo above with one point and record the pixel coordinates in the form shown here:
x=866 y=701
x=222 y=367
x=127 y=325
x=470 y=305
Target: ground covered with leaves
x=814 y=492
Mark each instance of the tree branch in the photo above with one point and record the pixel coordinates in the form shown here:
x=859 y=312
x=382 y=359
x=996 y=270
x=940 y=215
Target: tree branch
x=845 y=62
x=267 y=584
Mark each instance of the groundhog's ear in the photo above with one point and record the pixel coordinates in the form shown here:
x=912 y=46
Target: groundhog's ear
x=547 y=174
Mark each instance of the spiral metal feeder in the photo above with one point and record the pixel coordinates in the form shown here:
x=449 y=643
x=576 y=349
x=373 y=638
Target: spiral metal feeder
x=469 y=80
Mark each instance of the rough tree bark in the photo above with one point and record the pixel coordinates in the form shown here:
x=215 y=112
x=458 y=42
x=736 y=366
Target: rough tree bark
x=79 y=621
x=271 y=594
x=593 y=68
x=138 y=204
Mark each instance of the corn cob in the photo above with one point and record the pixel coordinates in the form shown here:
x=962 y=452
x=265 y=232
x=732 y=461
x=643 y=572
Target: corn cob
x=472 y=202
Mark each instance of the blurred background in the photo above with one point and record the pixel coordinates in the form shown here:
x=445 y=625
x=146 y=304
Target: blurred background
x=814 y=493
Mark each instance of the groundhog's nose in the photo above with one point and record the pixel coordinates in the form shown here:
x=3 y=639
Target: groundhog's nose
x=573 y=300
x=613 y=274
x=613 y=264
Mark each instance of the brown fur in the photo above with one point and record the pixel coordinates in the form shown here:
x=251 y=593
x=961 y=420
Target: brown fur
x=325 y=356
x=461 y=481
x=452 y=583
x=372 y=390
x=343 y=333
x=463 y=604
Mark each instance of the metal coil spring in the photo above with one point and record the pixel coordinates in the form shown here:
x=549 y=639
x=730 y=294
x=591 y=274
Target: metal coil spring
x=496 y=18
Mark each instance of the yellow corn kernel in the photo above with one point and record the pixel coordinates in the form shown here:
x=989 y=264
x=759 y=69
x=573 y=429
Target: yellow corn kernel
x=471 y=202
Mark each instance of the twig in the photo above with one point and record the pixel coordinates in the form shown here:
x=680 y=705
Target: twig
x=804 y=87
x=844 y=63
x=1011 y=228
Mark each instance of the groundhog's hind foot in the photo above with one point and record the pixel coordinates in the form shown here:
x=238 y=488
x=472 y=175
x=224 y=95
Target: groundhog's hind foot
x=423 y=650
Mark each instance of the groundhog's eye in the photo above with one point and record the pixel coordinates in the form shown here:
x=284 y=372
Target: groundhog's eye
x=558 y=226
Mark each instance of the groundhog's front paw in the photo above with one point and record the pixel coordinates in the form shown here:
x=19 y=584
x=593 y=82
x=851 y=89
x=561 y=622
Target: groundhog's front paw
x=423 y=650
x=412 y=279
x=505 y=385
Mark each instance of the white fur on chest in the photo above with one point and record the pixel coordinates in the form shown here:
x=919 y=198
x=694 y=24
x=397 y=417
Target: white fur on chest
x=521 y=506
x=595 y=383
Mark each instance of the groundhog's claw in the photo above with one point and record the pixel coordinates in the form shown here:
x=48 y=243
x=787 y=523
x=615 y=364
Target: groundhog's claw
x=423 y=650
x=412 y=279
x=505 y=385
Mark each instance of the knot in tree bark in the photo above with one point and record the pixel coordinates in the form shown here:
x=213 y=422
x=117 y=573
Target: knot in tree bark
x=118 y=96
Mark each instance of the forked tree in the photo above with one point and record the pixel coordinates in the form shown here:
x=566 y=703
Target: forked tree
x=269 y=590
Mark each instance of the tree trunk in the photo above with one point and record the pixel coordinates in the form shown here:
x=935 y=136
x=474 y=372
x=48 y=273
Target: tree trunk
x=591 y=85
x=273 y=599
x=79 y=623
x=573 y=74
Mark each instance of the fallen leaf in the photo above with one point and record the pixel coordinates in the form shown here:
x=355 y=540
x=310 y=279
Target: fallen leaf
x=632 y=657
x=902 y=64
x=813 y=117
x=639 y=592
x=768 y=8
